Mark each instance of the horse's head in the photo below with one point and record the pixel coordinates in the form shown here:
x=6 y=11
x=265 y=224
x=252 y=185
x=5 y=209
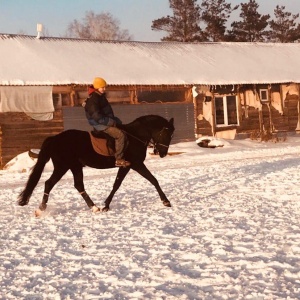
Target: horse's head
x=162 y=138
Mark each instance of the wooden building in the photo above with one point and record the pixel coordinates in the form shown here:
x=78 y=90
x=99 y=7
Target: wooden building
x=260 y=111
x=220 y=89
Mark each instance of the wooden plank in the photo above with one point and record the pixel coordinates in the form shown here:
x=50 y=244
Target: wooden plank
x=20 y=133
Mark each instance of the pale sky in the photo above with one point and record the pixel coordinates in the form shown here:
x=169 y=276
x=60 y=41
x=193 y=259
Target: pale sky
x=134 y=15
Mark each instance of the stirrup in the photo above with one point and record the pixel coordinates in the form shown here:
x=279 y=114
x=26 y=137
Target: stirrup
x=122 y=163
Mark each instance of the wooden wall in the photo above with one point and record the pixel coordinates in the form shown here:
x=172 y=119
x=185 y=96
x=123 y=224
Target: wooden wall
x=268 y=118
x=19 y=133
x=203 y=126
x=271 y=119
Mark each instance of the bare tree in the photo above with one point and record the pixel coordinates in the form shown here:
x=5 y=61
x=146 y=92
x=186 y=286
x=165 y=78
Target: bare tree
x=101 y=26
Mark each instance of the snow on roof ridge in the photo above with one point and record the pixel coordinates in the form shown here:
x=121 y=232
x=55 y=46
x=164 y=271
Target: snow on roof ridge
x=50 y=38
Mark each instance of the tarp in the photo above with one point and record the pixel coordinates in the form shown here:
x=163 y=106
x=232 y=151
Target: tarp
x=36 y=101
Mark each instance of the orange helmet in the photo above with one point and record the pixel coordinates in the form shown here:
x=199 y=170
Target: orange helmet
x=99 y=83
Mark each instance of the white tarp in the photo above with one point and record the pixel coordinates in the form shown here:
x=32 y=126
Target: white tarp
x=35 y=101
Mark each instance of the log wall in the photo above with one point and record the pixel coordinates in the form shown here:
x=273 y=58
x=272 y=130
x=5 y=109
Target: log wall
x=252 y=119
x=19 y=133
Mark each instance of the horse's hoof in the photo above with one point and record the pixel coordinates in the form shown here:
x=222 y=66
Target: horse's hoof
x=105 y=209
x=167 y=203
x=95 y=209
x=38 y=213
x=22 y=203
x=43 y=206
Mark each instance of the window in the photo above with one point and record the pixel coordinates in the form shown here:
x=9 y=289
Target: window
x=226 y=110
x=264 y=95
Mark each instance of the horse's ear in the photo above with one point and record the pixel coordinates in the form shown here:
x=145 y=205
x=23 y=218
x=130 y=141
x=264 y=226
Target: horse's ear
x=171 y=121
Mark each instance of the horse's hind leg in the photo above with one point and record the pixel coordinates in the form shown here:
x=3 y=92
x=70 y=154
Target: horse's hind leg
x=57 y=174
x=79 y=185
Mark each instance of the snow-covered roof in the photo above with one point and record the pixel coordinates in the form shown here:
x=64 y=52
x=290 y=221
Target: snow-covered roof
x=27 y=60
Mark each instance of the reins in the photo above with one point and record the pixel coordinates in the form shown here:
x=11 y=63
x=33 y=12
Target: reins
x=146 y=143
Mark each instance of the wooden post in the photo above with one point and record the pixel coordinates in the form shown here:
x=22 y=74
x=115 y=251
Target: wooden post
x=298 y=125
x=195 y=104
x=1 y=161
x=133 y=96
x=260 y=114
x=239 y=108
x=213 y=125
x=270 y=111
x=72 y=97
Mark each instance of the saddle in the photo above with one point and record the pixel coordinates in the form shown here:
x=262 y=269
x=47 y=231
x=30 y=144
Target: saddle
x=102 y=143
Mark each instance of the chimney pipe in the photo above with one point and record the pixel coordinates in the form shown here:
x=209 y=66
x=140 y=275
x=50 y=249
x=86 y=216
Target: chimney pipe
x=39 y=28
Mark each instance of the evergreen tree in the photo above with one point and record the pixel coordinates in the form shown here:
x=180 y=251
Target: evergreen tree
x=283 y=28
x=101 y=26
x=252 y=28
x=215 y=14
x=296 y=34
x=183 y=26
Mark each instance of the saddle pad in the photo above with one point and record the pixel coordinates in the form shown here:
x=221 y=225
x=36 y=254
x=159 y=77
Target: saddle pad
x=100 y=146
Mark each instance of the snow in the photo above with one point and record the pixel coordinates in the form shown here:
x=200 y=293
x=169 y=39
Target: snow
x=27 y=60
x=232 y=231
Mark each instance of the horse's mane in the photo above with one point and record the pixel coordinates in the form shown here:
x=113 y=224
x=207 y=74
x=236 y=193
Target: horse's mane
x=147 y=118
x=147 y=121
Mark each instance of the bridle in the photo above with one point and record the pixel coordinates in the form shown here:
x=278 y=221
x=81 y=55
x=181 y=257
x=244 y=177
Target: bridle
x=159 y=135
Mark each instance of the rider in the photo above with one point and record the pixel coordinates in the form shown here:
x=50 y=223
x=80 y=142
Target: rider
x=100 y=115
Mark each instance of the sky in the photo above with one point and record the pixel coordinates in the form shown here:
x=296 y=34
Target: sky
x=136 y=16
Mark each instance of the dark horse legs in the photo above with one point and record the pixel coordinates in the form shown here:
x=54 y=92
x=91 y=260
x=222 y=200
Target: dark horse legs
x=78 y=184
x=119 y=179
x=57 y=174
x=143 y=171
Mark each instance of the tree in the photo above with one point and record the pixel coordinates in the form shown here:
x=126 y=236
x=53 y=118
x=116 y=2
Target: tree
x=183 y=26
x=101 y=26
x=296 y=35
x=252 y=28
x=283 y=28
x=215 y=13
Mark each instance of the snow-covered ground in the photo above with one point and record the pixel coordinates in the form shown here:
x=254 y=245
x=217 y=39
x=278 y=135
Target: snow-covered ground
x=233 y=231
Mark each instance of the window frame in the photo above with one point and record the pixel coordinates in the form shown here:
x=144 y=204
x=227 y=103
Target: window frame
x=264 y=100
x=225 y=111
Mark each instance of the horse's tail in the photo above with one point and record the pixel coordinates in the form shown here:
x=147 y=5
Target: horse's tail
x=35 y=175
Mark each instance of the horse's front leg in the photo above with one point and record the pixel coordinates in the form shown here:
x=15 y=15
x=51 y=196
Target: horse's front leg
x=43 y=204
x=118 y=181
x=143 y=171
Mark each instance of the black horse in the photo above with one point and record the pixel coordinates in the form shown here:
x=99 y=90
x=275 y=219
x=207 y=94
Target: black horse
x=72 y=150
